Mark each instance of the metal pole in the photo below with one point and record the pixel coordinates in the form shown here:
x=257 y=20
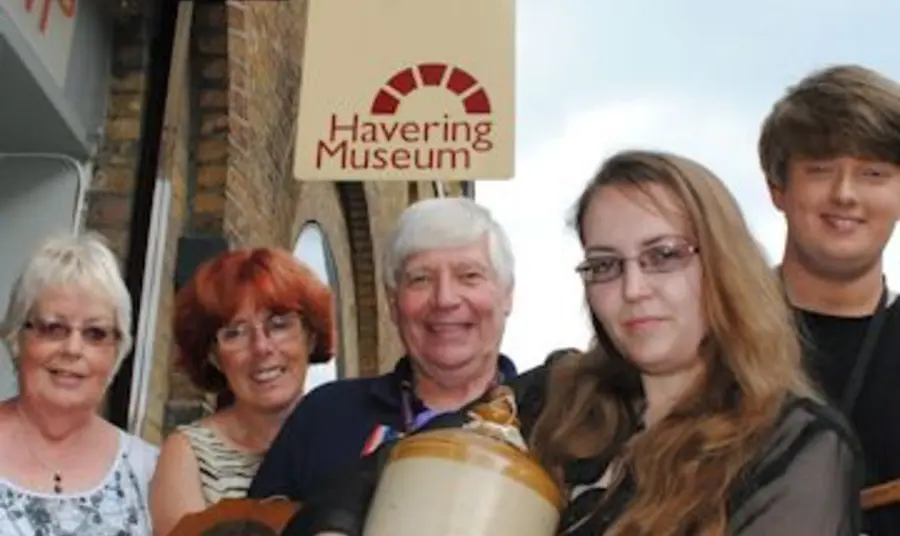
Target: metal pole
x=161 y=34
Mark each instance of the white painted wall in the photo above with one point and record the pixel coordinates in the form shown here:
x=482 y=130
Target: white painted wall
x=37 y=198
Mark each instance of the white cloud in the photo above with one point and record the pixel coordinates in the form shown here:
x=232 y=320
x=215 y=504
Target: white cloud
x=534 y=207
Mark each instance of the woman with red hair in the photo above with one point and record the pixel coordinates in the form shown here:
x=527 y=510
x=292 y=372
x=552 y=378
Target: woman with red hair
x=249 y=323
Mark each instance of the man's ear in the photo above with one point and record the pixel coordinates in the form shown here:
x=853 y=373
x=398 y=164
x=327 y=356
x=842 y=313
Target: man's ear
x=312 y=340
x=508 y=299
x=776 y=194
x=392 y=303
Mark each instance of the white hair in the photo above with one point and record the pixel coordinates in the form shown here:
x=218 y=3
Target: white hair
x=84 y=261
x=447 y=222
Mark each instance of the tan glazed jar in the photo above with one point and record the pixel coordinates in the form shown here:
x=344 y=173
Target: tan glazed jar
x=460 y=483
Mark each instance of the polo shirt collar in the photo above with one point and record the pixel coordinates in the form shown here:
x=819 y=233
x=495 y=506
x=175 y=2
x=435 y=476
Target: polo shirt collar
x=387 y=388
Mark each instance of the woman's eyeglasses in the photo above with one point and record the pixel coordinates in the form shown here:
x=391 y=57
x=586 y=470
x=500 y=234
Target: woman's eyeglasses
x=278 y=328
x=663 y=257
x=58 y=331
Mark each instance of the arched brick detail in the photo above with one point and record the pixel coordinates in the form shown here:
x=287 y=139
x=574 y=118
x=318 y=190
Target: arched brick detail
x=318 y=201
x=356 y=215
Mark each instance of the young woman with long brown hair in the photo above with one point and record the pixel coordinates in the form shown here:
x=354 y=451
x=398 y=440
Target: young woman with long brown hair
x=691 y=413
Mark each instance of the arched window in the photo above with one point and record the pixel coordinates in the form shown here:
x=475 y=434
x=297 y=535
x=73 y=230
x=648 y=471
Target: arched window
x=313 y=249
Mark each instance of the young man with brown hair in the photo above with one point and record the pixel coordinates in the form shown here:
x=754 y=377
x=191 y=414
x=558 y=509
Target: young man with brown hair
x=830 y=150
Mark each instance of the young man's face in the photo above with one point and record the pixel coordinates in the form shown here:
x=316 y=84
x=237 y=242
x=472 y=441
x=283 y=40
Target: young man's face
x=840 y=212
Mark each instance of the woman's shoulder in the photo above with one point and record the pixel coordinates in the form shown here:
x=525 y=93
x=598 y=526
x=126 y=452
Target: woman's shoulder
x=805 y=418
x=140 y=455
x=530 y=387
x=199 y=429
x=206 y=437
x=535 y=379
x=807 y=428
x=139 y=447
x=208 y=441
x=811 y=451
x=131 y=445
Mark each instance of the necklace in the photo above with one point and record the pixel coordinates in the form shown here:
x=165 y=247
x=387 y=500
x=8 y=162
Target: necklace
x=57 y=475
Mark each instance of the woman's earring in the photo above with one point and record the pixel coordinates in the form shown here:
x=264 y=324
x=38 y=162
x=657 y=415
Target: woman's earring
x=214 y=361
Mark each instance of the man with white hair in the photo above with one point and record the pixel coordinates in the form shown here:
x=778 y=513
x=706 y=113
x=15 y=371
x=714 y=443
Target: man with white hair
x=449 y=279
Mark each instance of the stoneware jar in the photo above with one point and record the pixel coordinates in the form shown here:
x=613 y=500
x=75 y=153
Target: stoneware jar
x=457 y=482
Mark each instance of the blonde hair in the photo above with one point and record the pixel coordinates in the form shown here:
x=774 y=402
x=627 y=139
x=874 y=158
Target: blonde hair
x=684 y=465
x=83 y=260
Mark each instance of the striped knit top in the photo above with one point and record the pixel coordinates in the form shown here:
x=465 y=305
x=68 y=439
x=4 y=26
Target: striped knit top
x=225 y=472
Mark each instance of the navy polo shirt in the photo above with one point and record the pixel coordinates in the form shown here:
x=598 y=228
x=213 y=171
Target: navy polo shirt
x=332 y=428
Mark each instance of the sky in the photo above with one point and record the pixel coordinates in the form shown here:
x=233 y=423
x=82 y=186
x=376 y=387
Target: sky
x=311 y=248
x=695 y=77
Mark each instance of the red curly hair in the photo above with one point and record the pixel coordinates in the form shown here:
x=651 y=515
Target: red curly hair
x=269 y=277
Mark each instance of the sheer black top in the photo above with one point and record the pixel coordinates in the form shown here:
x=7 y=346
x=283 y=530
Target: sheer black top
x=806 y=480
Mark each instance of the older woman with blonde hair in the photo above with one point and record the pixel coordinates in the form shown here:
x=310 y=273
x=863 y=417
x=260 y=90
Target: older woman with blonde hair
x=63 y=468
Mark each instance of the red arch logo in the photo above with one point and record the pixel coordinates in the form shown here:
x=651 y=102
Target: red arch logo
x=459 y=82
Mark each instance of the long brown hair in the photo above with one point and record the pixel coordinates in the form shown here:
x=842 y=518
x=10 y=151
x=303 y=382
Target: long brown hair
x=684 y=465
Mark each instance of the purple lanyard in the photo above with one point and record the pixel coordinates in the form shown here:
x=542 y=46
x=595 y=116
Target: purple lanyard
x=412 y=420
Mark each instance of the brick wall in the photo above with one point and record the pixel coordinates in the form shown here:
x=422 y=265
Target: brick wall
x=110 y=195
x=264 y=51
x=210 y=81
x=227 y=149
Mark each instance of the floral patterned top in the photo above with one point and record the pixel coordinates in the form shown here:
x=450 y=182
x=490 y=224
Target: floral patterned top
x=116 y=507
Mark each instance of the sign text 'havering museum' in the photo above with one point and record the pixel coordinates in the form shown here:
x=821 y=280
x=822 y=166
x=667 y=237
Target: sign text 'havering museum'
x=365 y=115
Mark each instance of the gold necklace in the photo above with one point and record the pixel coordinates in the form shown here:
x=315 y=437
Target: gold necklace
x=57 y=474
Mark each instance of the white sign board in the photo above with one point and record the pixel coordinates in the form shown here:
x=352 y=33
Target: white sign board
x=48 y=26
x=407 y=90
